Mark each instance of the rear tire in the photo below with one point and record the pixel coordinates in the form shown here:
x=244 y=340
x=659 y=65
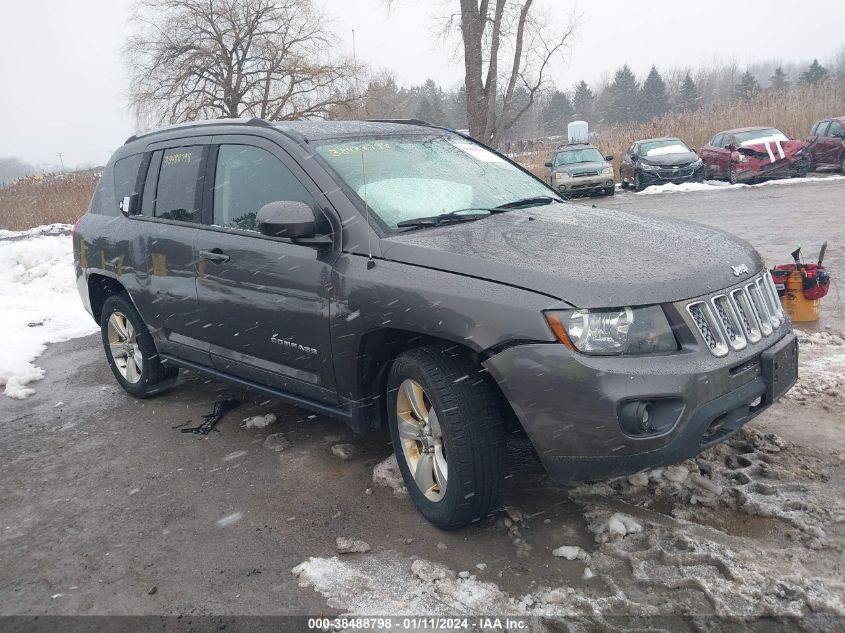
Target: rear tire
x=842 y=164
x=131 y=351
x=447 y=428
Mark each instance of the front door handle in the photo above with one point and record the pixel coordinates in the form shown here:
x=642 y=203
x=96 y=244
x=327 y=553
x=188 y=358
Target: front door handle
x=215 y=255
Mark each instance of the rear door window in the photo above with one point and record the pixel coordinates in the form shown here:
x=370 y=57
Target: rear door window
x=178 y=192
x=246 y=178
x=717 y=140
x=822 y=129
x=835 y=128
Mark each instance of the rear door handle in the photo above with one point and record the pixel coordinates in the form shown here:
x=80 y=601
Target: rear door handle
x=215 y=255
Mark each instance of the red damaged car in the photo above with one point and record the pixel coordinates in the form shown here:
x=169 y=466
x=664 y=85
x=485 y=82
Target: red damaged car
x=752 y=154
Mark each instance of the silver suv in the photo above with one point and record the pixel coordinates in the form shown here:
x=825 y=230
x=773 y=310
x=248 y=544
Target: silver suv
x=581 y=169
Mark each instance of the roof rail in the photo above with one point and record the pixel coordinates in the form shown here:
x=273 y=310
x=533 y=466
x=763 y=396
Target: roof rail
x=404 y=122
x=254 y=122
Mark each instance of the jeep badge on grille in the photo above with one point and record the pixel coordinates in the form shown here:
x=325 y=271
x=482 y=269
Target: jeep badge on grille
x=742 y=269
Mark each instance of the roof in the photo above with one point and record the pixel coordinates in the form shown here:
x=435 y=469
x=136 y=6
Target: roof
x=307 y=130
x=752 y=128
x=662 y=138
x=581 y=144
x=319 y=130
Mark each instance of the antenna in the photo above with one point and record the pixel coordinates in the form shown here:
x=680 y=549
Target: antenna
x=370 y=261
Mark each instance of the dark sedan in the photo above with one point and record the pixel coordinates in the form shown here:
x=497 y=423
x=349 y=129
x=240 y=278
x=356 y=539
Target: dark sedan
x=657 y=161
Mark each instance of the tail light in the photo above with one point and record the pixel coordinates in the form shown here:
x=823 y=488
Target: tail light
x=73 y=230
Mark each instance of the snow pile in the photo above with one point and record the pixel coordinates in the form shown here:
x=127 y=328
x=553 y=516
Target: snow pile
x=39 y=303
x=721 y=185
x=821 y=369
x=387 y=473
x=259 y=421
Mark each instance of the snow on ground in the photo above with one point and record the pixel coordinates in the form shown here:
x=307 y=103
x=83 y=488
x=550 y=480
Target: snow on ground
x=722 y=185
x=821 y=369
x=667 y=542
x=38 y=302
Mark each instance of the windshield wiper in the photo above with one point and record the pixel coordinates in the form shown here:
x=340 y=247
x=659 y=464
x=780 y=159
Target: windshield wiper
x=453 y=217
x=536 y=201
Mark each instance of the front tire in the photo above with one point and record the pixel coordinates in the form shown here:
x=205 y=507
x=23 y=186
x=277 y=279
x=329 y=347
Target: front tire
x=131 y=351
x=610 y=191
x=447 y=429
x=638 y=182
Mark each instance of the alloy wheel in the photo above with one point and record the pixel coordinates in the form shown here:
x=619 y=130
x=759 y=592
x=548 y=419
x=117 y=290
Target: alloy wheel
x=124 y=348
x=422 y=439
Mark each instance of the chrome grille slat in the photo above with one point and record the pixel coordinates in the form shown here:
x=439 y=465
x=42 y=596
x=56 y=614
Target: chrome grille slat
x=761 y=308
x=742 y=304
x=706 y=324
x=771 y=292
x=729 y=321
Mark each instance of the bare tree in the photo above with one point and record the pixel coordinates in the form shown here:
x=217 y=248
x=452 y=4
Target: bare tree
x=507 y=47
x=191 y=59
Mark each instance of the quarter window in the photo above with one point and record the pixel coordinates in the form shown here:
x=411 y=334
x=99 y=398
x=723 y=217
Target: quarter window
x=822 y=129
x=126 y=176
x=178 y=185
x=717 y=140
x=247 y=178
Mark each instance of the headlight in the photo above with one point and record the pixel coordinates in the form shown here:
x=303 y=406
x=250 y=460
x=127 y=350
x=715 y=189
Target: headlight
x=648 y=167
x=561 y=175
x=611 y=331
x=607 y=170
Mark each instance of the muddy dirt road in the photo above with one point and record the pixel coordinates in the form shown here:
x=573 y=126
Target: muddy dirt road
x=106 y=508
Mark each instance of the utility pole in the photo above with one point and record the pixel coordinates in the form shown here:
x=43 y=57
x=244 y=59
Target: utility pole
x=61 y=160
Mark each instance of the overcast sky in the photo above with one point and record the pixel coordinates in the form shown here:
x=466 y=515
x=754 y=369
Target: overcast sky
x=63 y=82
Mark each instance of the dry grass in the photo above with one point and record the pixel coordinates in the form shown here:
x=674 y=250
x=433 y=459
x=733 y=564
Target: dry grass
x=46 y=199
x=793 y=112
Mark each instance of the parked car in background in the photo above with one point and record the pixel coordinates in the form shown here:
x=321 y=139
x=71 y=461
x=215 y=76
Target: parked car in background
x=656 y=161
x=826 y=149
x=751 y=154
x=581 y=169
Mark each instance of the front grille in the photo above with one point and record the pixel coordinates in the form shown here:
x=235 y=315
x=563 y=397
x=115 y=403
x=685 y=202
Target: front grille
x=579 y=174
x=738 y=317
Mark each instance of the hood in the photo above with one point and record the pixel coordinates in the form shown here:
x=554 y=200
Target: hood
x=681 y=158
x=585 y=256
x=773 y=149
x=580 y=167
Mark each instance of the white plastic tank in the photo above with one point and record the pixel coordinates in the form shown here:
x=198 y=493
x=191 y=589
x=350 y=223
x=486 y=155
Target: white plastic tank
x=577 y=132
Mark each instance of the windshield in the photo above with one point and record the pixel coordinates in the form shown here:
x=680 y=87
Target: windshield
x=573 y=156
x=410 y=177
x=668 y=146
x=760 y=136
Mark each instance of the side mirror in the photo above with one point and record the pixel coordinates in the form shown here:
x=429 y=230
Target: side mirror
x=634 y=156
x=288 y=218
x=129 y=204
x=730 y=147
x=609 y=157
x=548 y=164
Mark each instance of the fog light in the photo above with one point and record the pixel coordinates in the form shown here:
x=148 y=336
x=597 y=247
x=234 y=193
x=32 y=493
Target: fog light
x=636 y=418
x=609 y=183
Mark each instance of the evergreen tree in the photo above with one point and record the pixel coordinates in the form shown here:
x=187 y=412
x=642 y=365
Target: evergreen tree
x=814 y=74
x=458 y=109
x=654 y=99
x=623 y=97
x=688 y=99
x=778 y=80
x=747 y=86
x=557 y=114
x=584 y=102
x=431 y=108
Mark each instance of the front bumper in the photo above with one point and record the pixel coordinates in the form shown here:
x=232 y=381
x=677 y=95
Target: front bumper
x=763 y=170
x=584 y=184
x=570 y=403
x=671 y=175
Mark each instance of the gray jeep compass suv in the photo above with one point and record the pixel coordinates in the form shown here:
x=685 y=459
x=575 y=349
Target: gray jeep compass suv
x=397 y=273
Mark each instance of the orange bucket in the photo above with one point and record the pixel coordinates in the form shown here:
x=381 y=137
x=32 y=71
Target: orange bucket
x=799 y=308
